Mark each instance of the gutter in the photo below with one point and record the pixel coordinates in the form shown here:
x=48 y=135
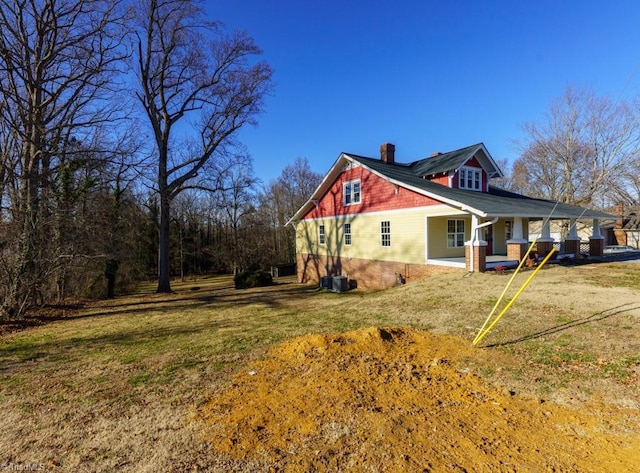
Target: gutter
x=474 y=233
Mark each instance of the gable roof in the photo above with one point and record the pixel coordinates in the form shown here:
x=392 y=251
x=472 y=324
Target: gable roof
x=496 y=203
x=454 y=160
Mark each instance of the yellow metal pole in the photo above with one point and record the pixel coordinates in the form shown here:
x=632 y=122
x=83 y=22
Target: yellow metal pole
x=476 y=340
x=522 y=288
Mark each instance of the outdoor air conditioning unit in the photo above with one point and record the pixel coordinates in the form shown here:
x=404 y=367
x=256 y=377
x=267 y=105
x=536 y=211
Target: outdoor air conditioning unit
x=325 y=282
x=340 y=284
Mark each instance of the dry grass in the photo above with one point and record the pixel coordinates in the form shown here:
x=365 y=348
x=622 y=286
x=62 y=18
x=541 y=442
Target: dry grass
x=115 y=386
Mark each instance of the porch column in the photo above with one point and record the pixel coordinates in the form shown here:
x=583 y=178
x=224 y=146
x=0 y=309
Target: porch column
x=517 y=245
x=572 y=241
x=475 y=255
x=545 y=242
x=475 y=231
x=596 y=241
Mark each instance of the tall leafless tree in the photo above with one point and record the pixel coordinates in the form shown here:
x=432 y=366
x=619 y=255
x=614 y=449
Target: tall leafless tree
x=237 y=200
x=578 y=153
x=196 y=80
x=282 y=198
x=58 y=60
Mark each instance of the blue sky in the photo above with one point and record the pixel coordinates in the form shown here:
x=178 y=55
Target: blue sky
x=425 y=75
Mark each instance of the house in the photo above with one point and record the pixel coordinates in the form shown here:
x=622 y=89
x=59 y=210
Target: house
x=379 y=222
x=626 y=228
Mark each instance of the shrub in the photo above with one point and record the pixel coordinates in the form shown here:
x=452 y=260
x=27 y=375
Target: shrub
x=247 y=279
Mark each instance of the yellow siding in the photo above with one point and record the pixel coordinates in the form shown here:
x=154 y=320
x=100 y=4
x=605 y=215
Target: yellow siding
x=438 y=237
x=499 y=235
x=499 y=240
x=407 y=237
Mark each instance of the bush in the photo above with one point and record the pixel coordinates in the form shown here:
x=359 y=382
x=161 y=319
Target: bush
x=247 y=279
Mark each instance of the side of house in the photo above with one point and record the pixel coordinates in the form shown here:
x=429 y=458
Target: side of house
x=379 y=222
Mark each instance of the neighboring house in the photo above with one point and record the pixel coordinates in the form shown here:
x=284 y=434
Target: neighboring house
x=379 y=222
x=625 y=230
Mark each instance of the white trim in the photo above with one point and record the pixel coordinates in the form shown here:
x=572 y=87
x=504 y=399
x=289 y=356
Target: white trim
x=344 y=234
x=444 y=200
x=445 y=262
x=336 y=169
x=595 y=231
x=462 y=183
x=426 y=239
x=444 y=211
x=456 y=233
x=495 y=171
x=382 y=222
x=351 y=183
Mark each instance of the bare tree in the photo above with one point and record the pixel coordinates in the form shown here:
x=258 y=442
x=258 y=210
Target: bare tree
x=282 y=199
x=578 y=153
x=58 y=59
x=195 y=77
x=237 y=199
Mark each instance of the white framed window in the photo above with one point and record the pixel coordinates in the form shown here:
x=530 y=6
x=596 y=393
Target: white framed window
x=321 y=235
x=385 y=233
x=470 y=178
x=347 y=233
x=351 y=192
x=455 y=233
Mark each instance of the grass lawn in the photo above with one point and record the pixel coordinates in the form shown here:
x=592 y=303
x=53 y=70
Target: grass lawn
x=115 y=385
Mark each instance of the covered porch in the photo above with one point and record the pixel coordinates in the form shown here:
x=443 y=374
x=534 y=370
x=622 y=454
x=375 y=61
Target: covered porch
x=484 y=250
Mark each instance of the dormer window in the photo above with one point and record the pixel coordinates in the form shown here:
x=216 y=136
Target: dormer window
x=351 y=192
x=470 y=178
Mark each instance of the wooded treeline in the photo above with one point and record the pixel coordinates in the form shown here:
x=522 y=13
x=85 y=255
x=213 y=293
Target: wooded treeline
x=118 y=153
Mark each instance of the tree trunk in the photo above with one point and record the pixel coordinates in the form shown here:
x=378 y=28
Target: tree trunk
x=110 y=271
x=24 y=280
x=164 y=268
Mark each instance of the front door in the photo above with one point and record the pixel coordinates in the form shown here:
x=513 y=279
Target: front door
x=488 y=237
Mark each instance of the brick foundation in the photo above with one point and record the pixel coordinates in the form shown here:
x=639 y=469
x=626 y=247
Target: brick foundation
x=479 y=258
x=365 y=274
x=544 y=247
x=572 y=247
x=516 y=250
x=596 y=247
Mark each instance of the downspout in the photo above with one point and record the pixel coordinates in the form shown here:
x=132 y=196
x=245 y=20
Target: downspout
x=474 y=233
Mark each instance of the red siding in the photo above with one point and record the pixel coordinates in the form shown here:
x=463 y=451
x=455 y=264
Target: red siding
x=376 y=194
x=444 y=180
x=473 y=163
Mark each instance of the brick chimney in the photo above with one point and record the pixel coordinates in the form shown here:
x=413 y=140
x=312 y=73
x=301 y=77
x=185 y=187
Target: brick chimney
x=620 y=215
x=387 y=153
x=619 y=234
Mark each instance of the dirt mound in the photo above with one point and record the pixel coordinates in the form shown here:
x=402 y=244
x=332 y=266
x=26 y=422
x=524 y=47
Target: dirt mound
x=390 y=399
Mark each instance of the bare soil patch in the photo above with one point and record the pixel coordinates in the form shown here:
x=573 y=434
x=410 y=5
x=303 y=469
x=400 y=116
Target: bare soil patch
x=392 y=399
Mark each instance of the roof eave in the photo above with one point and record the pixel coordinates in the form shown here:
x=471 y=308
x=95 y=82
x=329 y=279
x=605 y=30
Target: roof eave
x=324 y=185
